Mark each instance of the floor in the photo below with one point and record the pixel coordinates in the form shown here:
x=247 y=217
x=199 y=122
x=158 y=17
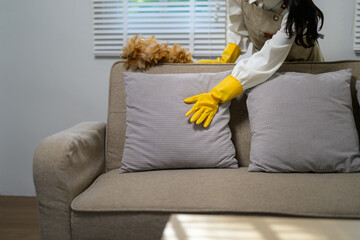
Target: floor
x=19 y=218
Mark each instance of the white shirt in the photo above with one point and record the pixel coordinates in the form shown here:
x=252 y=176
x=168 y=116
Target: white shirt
x=261 y=65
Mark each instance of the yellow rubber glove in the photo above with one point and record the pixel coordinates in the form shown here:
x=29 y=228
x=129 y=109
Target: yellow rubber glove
x=230 y=54
x=206 y=104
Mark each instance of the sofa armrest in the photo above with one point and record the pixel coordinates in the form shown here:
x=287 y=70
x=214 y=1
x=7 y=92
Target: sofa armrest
x=65 y=164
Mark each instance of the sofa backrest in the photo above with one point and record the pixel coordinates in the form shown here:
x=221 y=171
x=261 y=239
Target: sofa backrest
x=239 y=122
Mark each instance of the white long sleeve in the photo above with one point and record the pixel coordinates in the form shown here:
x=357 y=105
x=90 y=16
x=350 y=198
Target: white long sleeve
x=263 y=64
x=236 y=29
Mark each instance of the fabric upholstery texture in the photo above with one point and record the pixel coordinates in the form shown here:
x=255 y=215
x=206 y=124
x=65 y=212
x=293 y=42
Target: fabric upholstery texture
x=159 y=136
x=116 y=124
x=239 y=122
x=303 y=123
x=136 y=205
x=223 y=191
x=65 y=164
x=117 y=226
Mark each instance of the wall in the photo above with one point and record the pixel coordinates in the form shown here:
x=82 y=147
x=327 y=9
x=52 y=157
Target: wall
x=49 y=79
x=338 y=27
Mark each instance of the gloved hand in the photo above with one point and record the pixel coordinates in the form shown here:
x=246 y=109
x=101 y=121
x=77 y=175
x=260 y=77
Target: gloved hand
x=206 y=104
x=230 y=54
x=205 y=108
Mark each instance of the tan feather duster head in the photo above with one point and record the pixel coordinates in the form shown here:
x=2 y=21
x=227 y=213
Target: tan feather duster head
x=178 y=54
x=143 y=53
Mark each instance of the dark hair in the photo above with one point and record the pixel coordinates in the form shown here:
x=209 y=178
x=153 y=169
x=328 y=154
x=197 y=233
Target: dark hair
x=304 y=15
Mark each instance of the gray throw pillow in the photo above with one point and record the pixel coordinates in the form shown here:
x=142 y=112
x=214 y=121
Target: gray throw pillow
x=303 y=123
x=159 y=136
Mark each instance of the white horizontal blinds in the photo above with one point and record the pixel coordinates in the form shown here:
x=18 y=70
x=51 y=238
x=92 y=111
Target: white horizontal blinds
x=169 y=21
x=109 y=27
x=209 y=28
x=357 y=27
x=198 y=25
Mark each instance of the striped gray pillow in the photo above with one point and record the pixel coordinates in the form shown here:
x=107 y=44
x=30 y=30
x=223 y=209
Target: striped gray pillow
x=303 y=123
x=159 y=136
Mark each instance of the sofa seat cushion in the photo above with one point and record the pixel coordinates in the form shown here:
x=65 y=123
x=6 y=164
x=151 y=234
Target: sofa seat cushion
x=224 y=191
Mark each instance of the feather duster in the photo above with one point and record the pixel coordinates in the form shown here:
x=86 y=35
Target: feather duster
x=143 y=53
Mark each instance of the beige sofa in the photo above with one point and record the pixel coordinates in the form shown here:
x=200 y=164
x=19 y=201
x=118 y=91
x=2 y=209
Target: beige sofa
x=81 y=194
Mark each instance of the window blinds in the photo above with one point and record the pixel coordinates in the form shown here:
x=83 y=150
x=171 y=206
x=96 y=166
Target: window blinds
x=357 y=27
x=199 y=25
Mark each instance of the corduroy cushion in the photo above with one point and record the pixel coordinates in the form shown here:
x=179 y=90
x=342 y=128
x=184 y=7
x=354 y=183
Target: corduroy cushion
x=303 y=123
x=159 y=136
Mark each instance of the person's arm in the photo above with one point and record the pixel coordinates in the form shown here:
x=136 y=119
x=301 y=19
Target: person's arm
x=263 y=64
x=236 y=30
x=237 y=35
x=247 y=73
